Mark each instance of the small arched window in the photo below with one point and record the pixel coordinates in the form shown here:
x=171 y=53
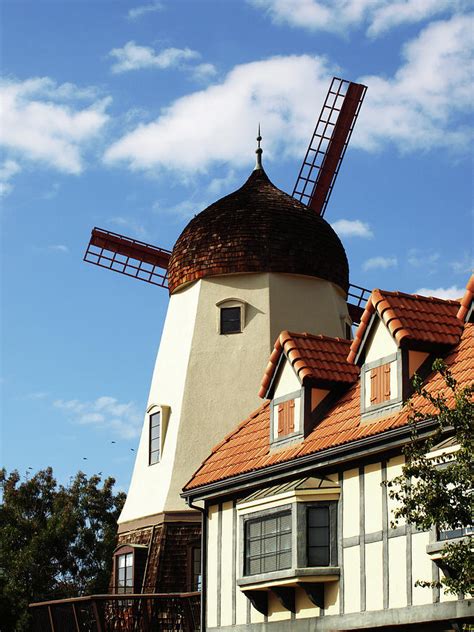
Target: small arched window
x=231 y=316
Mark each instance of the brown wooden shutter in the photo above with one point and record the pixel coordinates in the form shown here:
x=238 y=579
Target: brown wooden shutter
x=286 y=417
x=291 y=416
x=374 y=385
x=280 y=419
x=380 y=384
x=386 y=382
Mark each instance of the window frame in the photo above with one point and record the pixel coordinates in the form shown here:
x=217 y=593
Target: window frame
x=126 y=552
x=194 y=579
x=277 y=515
x=370 y=410
x=164 y=412
x=151 y=438
x=230 y=303
x=299 y=540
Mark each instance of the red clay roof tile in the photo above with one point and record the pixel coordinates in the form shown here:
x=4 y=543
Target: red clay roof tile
x=314 y=358
x=247 y=448
x=410 y=317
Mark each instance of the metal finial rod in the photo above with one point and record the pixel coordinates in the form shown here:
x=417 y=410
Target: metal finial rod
x=259 y=152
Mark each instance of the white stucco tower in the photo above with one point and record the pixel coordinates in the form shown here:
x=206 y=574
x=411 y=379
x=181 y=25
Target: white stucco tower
x=252 y=264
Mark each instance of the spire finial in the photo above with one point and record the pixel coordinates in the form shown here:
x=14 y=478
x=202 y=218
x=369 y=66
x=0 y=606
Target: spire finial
x=259 y=152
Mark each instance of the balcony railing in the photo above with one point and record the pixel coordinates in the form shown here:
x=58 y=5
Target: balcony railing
x=169 y=612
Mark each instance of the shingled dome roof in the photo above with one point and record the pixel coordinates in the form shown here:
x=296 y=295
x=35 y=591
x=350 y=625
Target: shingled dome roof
x=258 y=228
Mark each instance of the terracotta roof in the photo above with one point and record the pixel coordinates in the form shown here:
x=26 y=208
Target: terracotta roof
x=466 y=300
x=410 y=317
x=258 y=228
x=314 y=358
x=247 y=448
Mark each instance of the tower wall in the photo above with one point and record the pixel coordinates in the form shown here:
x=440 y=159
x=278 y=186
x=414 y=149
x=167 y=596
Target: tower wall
x=210 y=381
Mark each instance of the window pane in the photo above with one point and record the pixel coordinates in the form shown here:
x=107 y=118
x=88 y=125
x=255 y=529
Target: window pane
x=230 y=320
x=268 y=544
x=270 y=526
x=318 y=556
x=318 y=516
x=318 y=535
x=155 y=438
x=129 y=559
x=121 y=561
x=285 y=560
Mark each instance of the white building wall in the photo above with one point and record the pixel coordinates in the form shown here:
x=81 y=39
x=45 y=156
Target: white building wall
x=197 y=371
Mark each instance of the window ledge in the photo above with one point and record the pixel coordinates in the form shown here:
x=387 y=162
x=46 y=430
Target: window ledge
x=290 y=577
x=435 y=549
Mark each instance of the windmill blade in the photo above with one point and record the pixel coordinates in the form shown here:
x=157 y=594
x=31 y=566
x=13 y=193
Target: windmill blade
x=128 y=256
x=328 y=145
x=357 y=298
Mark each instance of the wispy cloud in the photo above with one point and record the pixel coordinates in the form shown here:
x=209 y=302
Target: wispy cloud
x=204 y=72
x=135 y=57
x=463 y=265
x=222 y=185
x=104 y=413
x=452 y=292
x=59 y=248
x=40 y=123
x=380 y=263
x=144 y=9
x=423 y=259
x=421 y=107
x=131 y=226
x=183 y=210
x=352 y=228
x=338 y=16
x=8 y=169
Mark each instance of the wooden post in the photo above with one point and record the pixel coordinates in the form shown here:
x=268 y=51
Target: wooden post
x=51 y=620
x=95 y=610
x=76 y=620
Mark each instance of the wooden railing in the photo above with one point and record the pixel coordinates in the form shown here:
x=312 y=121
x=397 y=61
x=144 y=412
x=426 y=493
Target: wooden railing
x=165 y=612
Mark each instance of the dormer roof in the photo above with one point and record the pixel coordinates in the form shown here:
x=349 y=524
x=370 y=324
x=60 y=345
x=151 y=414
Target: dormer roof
x=247 y=449
x=419 y=321
x=316 y=359
x=466 y=301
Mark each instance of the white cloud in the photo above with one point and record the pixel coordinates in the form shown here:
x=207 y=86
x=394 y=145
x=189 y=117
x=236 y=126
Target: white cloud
x=395 y=13
x=380 y=263
x=452 y=292
x=421 y=258
x=222 y=185
x=59 y=248
x=204 y=72
x=338 y=16
x=135 y=57
x=420 y=108
x=422 y=105
x=38 y=125
x=218 y=124
x=8 y=169
x=352 y=228
x=144 y=9
x=105 y=413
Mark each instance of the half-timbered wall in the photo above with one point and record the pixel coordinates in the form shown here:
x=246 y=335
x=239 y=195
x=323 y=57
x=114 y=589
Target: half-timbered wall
x=379 y=565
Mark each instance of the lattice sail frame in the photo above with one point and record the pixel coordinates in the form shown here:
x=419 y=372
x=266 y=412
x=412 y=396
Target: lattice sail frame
x=328 y=144
x=128 y=256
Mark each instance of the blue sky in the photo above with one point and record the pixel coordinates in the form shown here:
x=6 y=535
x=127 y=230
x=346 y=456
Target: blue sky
x=134 y=116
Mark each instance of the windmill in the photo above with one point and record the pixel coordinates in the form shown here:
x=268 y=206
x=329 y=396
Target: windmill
x=313 y=188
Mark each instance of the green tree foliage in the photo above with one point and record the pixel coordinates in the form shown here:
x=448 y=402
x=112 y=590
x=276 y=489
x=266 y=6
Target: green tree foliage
x=55 y=541
x=437 y=490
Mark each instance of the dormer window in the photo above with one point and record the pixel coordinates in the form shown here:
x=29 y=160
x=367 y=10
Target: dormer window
x=380 y=384
x=231 y=317
x=286 y=417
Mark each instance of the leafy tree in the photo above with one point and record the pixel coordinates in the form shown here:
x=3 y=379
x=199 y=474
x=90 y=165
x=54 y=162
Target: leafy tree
x=437 y=490
x=55 y=541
